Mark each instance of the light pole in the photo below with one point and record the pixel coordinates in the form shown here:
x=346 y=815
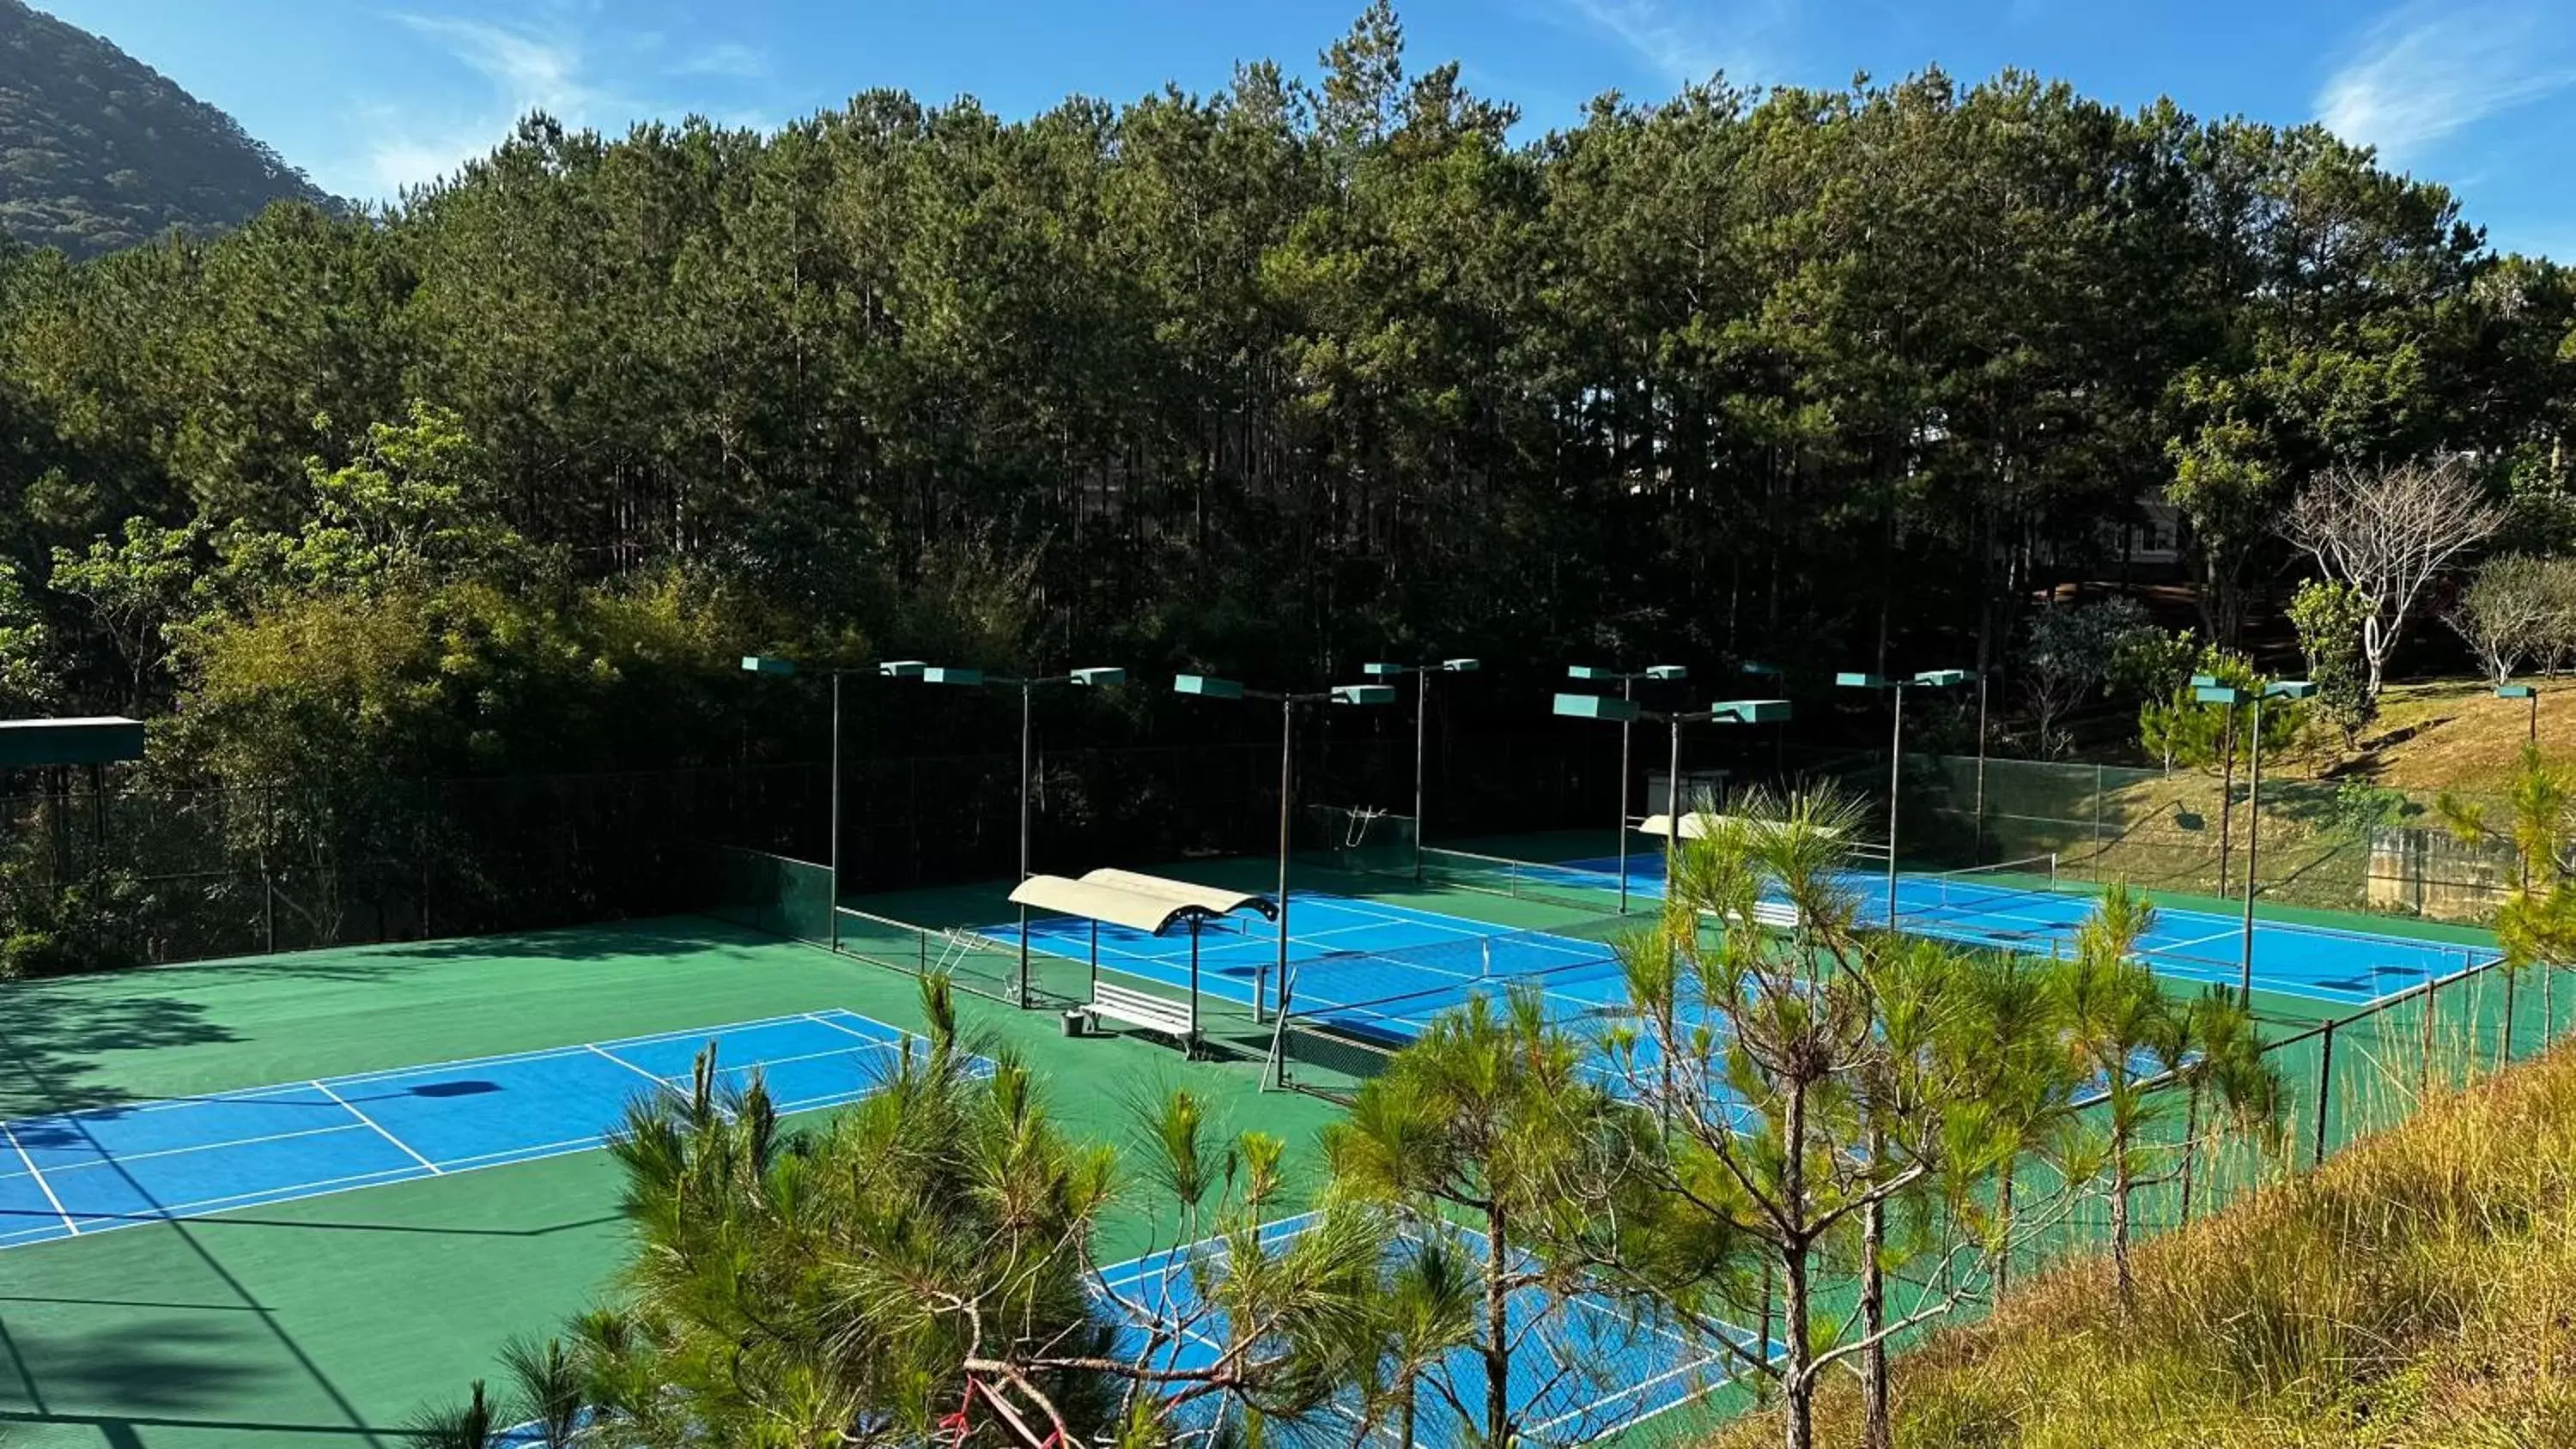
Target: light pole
x=1421 y=724
x=2232 y=697
x=1628 y=692
x=1929 y=678
x=1627 y=712
x=1089 y=678
x=2202 y=686
x=2524 y=691
x=1209 y=687
x=892 y=669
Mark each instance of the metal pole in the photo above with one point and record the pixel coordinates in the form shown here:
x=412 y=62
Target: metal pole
x=833 y=913
x=1895 y=763
x=2325 y=1087
x=1287 y=731
x=1977 y=848
x=2226 y=796
x=1421 y=731
x=1627 y=690
x=2253 y=839
x=2534 y=735
x=1028 y=690
x=1672 y=804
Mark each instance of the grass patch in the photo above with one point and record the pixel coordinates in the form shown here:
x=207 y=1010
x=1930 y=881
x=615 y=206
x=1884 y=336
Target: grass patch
x=2418 y=1290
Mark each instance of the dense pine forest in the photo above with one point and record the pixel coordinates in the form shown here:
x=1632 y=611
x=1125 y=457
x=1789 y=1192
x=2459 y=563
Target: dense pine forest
x=1268 y=382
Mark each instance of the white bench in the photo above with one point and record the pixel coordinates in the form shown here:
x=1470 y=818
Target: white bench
x=1139 y=1008
x=1778 y=915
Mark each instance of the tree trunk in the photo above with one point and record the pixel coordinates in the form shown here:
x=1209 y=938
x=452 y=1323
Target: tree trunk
x=1497 y=1346
x=1877 y=1431
x=2004 y=1223
x=1794 y=1288
x=2190 y=1144
x=2120 y=1230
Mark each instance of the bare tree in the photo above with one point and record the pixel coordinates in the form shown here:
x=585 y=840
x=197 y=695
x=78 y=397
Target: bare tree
x=2506 y=613
x=2388 y=532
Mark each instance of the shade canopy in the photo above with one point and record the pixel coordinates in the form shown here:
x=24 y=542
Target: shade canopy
x=1189 y=893
x=1700 y=824
x=1138 y=902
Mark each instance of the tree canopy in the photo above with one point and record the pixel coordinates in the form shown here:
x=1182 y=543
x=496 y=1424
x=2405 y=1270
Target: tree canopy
x=1270 y=380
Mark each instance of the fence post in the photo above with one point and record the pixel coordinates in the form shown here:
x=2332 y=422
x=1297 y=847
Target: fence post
x=2325 y=1089
x=267 y=875
x=2432 y=999
x=2097 y=813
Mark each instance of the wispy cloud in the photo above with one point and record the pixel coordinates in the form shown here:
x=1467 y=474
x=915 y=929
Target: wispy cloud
x=731 y=60
x=2431 y=68
x=531 y=71
x=1673 y=42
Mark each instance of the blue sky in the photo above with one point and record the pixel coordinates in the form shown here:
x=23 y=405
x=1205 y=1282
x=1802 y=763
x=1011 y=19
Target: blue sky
x=372 y=95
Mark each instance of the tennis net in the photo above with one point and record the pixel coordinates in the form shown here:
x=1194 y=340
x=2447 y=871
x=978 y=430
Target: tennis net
x=2011 y=885
x=1584 y=886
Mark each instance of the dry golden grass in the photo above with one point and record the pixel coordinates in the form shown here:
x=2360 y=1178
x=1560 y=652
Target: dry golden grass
x=2419 y=1291
x=2457 y=735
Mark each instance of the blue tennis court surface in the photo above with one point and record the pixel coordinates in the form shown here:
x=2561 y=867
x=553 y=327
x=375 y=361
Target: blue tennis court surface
x=1399 y=965
x=78 y=1173
x=2319 y=962
x=1583 y=1366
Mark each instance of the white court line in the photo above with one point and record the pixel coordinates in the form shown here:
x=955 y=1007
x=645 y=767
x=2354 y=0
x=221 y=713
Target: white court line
x=107 y=1159
x=605 y=1055
x=155 y=1212
x=2156 y=956
x=549 y=1053
x=163 y=1104
x=900 y=1036
x=353 y=1111
x=43 y=1186
x=291 y=1192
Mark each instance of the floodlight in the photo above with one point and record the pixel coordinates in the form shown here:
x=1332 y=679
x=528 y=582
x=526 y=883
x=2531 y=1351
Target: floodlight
x=1751 y=711
x=1382 y=671
x=768 y=664
x=1363 y=694
x=2514 y=691
x=1941 y=678
x=1206 y=686
x=1850 y=680
x=1462 y=666
x=1758 y=669
x=2219 y=694
x=1103 y=674
x=938 y=675
x=1589 y=671
x=2289 y=689
x=902 y=668
x=1667 y=671
x=1598 y=706
x=2203 y=681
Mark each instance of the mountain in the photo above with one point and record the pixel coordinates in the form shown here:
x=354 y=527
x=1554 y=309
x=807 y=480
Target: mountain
x=100 y=151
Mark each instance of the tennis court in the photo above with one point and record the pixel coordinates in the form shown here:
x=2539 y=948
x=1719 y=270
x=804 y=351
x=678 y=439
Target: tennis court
x=75 y=1174
x=2016 y=907
x=1584 y=1366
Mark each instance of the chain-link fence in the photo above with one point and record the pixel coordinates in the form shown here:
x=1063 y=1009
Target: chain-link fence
x=2338 y=845
x=119 y=871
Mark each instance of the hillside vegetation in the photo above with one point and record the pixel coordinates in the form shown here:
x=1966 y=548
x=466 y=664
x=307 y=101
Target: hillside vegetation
x=2419 y=1290
x=100 y=151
